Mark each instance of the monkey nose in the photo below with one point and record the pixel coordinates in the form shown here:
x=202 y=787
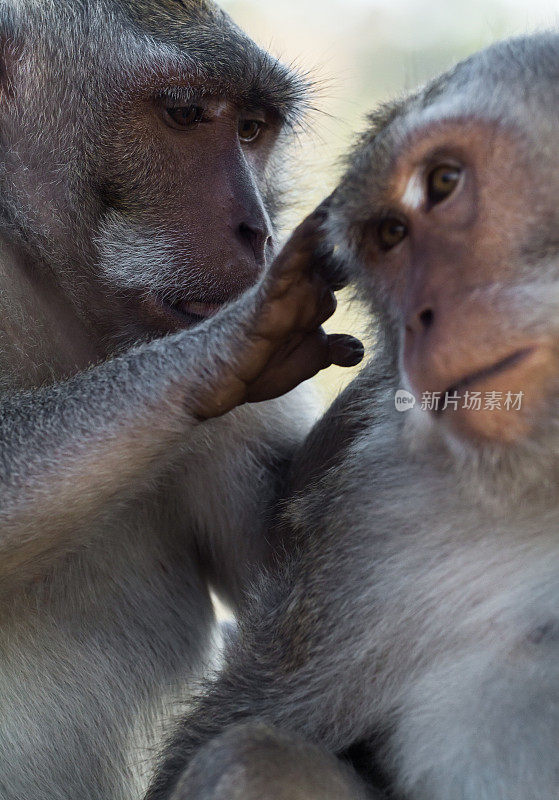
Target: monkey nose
x=256 y=238
x=421 y=321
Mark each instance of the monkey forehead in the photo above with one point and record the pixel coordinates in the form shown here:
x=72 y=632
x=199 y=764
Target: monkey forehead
x=196 y=41
x=183 y=41
x=171 y=11
x=172 y=20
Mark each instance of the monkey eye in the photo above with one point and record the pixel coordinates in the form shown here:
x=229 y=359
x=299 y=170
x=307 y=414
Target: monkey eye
x=442 y=181
x=186 y=116
x=250 y=129
x=391 y=231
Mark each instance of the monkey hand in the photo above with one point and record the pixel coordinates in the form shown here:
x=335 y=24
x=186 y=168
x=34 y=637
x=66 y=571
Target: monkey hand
x=281 y=341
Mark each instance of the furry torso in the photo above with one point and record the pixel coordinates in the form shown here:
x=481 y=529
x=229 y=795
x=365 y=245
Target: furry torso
x=89 y=661
x=95 y=652
x=447 y=601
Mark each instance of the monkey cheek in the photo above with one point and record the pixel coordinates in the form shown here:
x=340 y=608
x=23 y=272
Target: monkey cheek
x=498 y=426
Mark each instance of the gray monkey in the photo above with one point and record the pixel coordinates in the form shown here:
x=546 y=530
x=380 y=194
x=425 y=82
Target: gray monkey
x=415 y=631
x=140 y=150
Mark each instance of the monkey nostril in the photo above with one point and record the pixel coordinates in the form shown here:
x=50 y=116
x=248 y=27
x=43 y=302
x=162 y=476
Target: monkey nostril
x=256 y=238
x=246 y=231
x=426 y=318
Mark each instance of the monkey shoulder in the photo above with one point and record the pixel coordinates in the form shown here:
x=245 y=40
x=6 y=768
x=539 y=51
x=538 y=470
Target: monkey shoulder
x=359 y=415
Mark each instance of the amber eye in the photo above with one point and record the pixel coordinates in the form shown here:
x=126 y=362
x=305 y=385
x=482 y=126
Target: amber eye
x=249 y=130
x=442 y=181
x=391 y=231
x=186 y=116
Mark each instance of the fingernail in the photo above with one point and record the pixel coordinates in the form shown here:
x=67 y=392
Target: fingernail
x=349 y=348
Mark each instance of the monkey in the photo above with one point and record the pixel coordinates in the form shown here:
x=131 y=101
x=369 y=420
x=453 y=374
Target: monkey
x=412 y=632
x=145 y=320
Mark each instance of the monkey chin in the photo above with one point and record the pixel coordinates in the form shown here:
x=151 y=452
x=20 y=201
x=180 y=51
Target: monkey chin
x=526 y=378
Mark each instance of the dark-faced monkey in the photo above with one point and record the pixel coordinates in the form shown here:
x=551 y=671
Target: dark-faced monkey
x=139 y=146
x=416 y=632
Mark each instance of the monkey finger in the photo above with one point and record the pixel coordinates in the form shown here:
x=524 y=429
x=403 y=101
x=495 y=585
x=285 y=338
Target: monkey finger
x=323 y=258
x=324 y=206
x=345 y=350
x=307 y=236
x=326 y=258
x=296 y=255
x=310 y=356
x=328 y=264
x=326 y=308
x=317 y=304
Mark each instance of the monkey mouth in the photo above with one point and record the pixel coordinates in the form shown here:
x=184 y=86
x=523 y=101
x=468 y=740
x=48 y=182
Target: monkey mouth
x=192 y=311
x=503 y=401
x=167 y=316
x=163 y=314
x=480 y=376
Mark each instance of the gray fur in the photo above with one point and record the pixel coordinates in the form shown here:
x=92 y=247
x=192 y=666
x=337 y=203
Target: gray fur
x=118 y=508
x=418 y=619
x=296 y=770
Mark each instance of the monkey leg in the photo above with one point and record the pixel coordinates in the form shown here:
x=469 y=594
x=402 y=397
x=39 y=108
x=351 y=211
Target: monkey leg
x=254 y=761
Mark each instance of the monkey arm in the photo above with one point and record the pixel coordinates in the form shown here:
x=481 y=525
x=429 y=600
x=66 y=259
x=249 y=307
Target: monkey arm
x=69 y=450
x=477 y=725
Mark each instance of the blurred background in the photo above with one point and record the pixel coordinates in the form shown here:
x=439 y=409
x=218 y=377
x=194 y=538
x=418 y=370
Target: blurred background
x=361 y=52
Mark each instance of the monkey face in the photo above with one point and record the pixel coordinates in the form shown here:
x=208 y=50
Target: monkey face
x=187 y=180
x=194 y=232
x=452 y=227
x=157 y=164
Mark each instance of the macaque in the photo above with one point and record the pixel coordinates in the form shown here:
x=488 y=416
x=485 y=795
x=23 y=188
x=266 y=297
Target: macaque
x=140 y=151
x=414 y=634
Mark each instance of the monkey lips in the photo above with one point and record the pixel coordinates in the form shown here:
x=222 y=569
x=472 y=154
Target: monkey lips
x=526 y=373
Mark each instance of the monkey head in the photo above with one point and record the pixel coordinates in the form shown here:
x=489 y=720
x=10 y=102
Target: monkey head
x=140 y=149
x=449 y=209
